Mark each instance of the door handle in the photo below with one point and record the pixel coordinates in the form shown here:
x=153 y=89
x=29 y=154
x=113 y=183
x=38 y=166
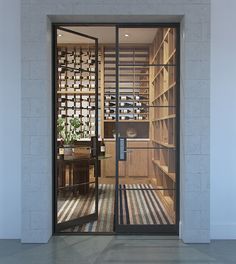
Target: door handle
x=122 y=148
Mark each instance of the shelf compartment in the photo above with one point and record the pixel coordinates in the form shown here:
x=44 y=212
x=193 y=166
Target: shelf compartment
x=139 y=129
x=171 y=175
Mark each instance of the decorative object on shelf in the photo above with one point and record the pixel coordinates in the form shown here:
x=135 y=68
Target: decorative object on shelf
x=131 y=132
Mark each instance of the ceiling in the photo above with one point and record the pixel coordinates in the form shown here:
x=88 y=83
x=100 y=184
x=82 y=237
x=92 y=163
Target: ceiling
x=107 y=35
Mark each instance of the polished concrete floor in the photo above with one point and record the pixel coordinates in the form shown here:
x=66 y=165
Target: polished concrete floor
x=116 y=249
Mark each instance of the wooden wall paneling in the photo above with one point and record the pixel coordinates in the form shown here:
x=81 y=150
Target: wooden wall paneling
x=137 y=160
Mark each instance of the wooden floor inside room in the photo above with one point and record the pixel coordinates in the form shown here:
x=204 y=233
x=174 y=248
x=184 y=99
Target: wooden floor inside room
x=137 y=206
x=73 y=207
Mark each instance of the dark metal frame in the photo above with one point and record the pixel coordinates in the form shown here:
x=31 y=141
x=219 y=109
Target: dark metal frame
x=133 y=229
x=93 y=216
x=145 y=229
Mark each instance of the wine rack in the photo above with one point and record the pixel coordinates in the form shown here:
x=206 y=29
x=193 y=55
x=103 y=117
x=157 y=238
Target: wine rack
x=76 y=85
x=133 y=90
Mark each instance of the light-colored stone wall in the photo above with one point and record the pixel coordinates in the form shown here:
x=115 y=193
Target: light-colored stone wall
x=36 y=19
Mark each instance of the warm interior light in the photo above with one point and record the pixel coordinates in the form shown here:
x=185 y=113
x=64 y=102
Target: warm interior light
x=126 y=35
x=59 y=35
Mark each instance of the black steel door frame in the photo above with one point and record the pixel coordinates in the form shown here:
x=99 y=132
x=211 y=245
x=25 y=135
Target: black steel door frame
x=90 y=217
x=147 y=229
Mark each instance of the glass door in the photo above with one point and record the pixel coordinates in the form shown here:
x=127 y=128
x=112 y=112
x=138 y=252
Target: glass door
x=76 y=129
x=146 y=130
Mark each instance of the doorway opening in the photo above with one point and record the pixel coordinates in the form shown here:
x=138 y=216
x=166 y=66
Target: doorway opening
x=116 y=129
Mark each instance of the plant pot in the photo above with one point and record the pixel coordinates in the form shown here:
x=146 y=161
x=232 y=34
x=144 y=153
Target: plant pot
x=68 y=151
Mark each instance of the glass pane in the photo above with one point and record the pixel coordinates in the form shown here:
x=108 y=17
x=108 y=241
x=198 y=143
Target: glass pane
x=142 y=206
x=76 y=81
x=76 y=203
x=147 y=46
x=105 y=221
x=147 y=162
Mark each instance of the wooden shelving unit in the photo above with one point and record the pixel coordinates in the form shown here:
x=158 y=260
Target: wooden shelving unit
x=163 y=113
x=133 y=89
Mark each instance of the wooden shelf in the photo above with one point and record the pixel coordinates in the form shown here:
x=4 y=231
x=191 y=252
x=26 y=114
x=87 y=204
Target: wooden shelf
x=157 y=74
x=164 y=144
x=164 y=169
x=170 y=57
x=163 y=83
x=164 y=118
x=130 y=120
x=158 y=49
x=126 y=93
x=128 y=74
x=164 y=91
x=76 y=93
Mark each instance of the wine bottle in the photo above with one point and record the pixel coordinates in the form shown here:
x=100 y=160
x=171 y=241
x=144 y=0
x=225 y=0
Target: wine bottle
x=91 y=69
x=122 y=104
x=63 y=100
x=109 y=117
x=109 y=104
x=76 y=85
x=82 y=86
x=124 y=117
x=109 y=97
x=69 y=107
x=139 y=110
x=125 y=111
x=123 y=98
x=90 y=107
x=102 y=148
x=63 y=85
x=139 y=97
x=90 y=61
x=62 y=61
x=92 y=85
x=75 y=77
x=139 y=117
x=64 y=53
x=109 y=111
x=138 y=104
x=63 y=77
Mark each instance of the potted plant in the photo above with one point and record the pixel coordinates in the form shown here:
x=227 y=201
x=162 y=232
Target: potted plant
x=69 y=133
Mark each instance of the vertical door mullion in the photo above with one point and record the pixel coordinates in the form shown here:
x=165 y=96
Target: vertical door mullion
x=117 y=127
x=96 y=125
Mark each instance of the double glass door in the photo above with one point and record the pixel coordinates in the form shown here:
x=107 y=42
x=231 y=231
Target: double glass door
x=136 y=114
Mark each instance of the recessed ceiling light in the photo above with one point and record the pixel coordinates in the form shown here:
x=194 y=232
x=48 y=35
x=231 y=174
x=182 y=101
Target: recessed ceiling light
x=59 y=35
x=126 y=35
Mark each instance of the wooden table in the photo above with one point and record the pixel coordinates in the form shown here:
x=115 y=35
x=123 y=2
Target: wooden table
x=78 y=168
